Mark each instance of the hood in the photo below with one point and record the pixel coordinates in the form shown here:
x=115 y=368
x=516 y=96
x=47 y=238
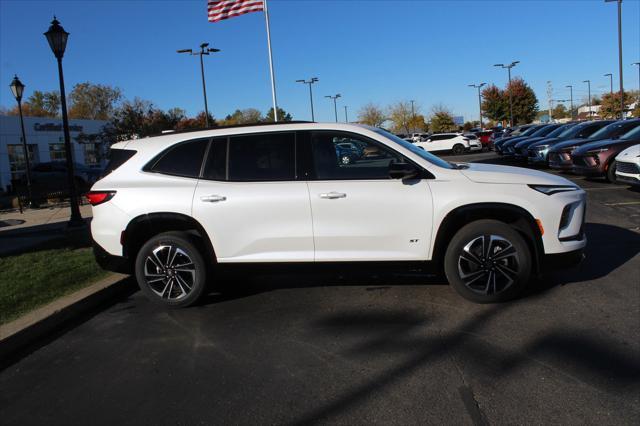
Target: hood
x=529 y=141
x=545 y=141
x=571 y=142
x=605 y=143
x=491 y=173
x=514 y=141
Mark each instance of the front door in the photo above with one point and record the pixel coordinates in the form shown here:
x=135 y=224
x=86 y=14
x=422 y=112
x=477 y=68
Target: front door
x=359 y=213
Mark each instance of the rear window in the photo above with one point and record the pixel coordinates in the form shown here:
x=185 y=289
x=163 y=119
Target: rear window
x=263 y=157
x=117 y=157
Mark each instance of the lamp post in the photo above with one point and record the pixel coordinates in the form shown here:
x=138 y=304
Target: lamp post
x=346 y=116
x=479 y=86
x=310 y=82
x=589 y=101
x=619 y=54
x=638 y=64
x=508 y=67
x=610 y=83
x=57 y=38
x=335 y=105
x=571 y=99
x=204 y=50
x=17 y=88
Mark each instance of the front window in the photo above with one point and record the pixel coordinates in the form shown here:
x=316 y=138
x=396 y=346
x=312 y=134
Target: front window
x=57 y=152
x=633 y=134
x=16 y=158
x=415 y=149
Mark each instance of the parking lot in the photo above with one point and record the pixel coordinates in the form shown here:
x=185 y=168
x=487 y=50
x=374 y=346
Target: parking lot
x=359 y=346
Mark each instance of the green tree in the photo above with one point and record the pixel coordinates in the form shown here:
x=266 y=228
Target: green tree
x=372 y=115
x=282 y=116
x=525 y=102
x=560 y=111
x=441 y=119
x=495 y=106
x=402 y=117
x=244 y=116
x=610 y=105
x=39 y=104
x=93 y=101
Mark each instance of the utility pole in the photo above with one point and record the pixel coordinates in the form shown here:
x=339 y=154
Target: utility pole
x=571 y=99
x=549 y=95
x=589 y=89
x=346 y=116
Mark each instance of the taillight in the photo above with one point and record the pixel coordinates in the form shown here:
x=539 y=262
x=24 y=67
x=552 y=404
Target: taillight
x=99 y=197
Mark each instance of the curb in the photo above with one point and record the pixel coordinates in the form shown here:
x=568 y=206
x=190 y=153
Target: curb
x=28 y=329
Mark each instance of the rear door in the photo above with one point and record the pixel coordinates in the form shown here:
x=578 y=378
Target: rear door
x=251 y=201
x=359 y=213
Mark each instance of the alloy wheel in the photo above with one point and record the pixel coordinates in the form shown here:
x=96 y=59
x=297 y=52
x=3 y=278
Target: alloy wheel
x=169 y=272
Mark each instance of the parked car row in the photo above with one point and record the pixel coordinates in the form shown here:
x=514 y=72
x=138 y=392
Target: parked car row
x=587 y=148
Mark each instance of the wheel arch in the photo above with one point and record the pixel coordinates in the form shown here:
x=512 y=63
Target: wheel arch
x=143 y=227
x=515 y=216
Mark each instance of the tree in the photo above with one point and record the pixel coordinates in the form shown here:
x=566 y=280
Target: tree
x=282 y=116
x=372 y=115
x=470 y=125
x=610 y=106
x=525 y=102
x=495 y=105
x=636 y=111
x=245 y=116
x=93 y=101
x=197 y=122
x=560 y=111
x=441 y=119
x=40 y=104
x=402 y=117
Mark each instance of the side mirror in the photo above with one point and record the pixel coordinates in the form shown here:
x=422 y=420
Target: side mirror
x=403 y=171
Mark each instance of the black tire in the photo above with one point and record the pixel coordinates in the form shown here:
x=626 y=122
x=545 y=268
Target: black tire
x=165 y=284
x=493 y=278
x=458 y=149
x=345 y=159
x=610 y=176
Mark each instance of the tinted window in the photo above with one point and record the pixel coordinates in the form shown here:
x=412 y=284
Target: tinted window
x=117 y=157
x=616 y=129
x=216 y=167
x=264 y=157
x=184 y=159
x=331 y=161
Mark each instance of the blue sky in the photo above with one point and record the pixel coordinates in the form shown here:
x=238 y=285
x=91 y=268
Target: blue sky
x=369 y=51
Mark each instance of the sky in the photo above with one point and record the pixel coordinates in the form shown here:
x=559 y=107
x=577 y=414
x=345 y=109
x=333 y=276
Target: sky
x=368 y=51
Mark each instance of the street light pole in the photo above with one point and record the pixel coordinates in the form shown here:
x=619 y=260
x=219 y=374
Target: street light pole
x=589 y=88
x=57 y=38
x=346 y=116
x=638 y=64
x=204 y=50
x=335 y=105
x=479 y=86
x=310 y=82
x=620 y=54
x=610 y=83
x=508 y=67
x=17 y=88
x=571 y=99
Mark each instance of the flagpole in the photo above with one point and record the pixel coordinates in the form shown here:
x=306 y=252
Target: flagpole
x=273 y=79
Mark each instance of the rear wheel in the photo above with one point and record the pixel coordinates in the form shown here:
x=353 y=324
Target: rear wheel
x=170 y=269
x=345 y=159
x=611 y=172
x=458 y=149
x=488 y=261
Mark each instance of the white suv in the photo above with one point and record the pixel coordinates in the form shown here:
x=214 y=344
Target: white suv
x=174 y=206
x=453 y=142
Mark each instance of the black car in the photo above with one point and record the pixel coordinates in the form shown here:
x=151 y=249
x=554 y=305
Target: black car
x=508 y=148
x=499 y=144
x=520 y=149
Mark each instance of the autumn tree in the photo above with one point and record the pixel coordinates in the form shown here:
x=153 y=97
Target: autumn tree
x=93 y=101
x=525 y=102
x=560 y=111
x=610 y=106
x=282 y=116
x=495 y=106
x=441 y=119
x=372 y=115
x=404 y=119
x=244 y=116
x=194 y=123
x=40 y=104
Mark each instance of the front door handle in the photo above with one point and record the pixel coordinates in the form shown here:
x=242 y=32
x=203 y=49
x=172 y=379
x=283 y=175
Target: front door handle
x=333 y=195
x=212 y=198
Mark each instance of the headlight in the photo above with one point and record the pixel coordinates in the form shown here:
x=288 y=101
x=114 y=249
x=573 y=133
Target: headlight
x=553 y=189
x=597 y=151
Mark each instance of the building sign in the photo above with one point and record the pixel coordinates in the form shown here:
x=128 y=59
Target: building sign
x=52 y=127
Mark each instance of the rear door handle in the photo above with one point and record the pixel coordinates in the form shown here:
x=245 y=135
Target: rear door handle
x=212 y=198
x=333 y=195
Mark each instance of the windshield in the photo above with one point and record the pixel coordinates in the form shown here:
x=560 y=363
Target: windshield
x=616 y=129
x=529 y=131
x=415 y=149
x=633 y=134
x=544 y=131
x=560 y=131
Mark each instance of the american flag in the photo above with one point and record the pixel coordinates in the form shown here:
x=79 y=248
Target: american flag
x=224 y=9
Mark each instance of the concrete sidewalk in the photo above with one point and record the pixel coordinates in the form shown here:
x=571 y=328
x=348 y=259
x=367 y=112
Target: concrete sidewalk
x=21 y=232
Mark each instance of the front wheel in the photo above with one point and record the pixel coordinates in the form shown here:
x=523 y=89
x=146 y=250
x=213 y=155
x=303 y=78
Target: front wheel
x=488 y=261
x=170 y=269
x=458 y=149
x=611 y=172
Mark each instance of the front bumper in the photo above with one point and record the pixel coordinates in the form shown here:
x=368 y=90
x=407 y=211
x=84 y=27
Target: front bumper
x=552 y=262
x=560 y=161
x=111 y=262
x=628 y=179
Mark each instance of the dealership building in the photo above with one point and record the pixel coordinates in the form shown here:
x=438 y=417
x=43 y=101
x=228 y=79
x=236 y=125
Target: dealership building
x=45 y=142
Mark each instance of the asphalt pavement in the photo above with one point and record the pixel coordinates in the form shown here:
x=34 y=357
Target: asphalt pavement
x=359 y=346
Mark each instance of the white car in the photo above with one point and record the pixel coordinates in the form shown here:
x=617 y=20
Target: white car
x=172 y=207
x=628 y=166
x=453 y=142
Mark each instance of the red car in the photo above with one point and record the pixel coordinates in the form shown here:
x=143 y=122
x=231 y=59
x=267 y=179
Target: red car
x=485 y=138
x=598 y=159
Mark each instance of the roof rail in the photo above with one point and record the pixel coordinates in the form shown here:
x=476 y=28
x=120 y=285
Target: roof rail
x=173 y=132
